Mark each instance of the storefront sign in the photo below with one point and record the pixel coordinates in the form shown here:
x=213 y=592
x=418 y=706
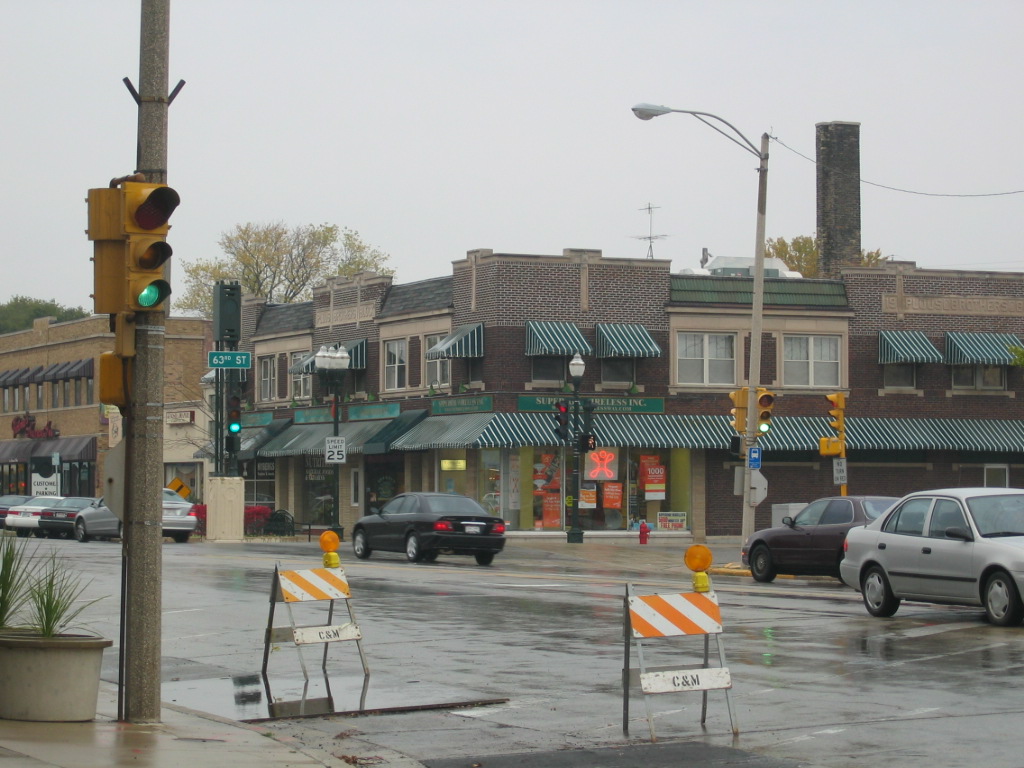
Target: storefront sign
x=453 y=465
x=602 y=464
x=672 y=521
x=552 y=510
x=588 y=495
x=265 y=469
x=312 y=416
x=179 y=417
x=359 y=312
x=602 y=404
x=475 y=404
x=652 y=477
x=257 y=418
x=373 y=411
x=25 y=426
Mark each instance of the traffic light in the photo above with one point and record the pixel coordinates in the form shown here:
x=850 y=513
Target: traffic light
x=562 y=420
x=128 y=226
x=589 y=406
x=838 y=402
x=765 y=403
x=147 y=208
x=588 y=442
x=739 y=410
x=115 y=380
x=830 y=446
x=233 y=424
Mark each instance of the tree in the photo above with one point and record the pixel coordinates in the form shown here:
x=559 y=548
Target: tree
x=19 y=313
x=279 y=264
x=801 y=254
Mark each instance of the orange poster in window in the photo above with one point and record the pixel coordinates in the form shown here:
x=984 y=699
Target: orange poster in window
x=552 y=510
x=612 y=495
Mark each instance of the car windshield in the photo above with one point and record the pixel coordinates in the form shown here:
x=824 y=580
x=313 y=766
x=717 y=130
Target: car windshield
x=454 y=505
x=43 y=501
x=75 y=502
x=875 y=507
x=12 y=499
x=1001 y=515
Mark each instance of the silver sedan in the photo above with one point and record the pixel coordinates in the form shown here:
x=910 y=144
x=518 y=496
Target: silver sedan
x=959 y=546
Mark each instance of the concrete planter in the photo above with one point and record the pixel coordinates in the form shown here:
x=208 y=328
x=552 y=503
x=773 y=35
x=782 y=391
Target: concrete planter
x=50 y=679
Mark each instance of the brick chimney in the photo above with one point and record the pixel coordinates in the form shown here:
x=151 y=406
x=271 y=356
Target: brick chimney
x=838 y=187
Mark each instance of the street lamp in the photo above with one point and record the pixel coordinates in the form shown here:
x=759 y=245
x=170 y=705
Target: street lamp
x=331 y=364
x=576 y=370
x=649 y=111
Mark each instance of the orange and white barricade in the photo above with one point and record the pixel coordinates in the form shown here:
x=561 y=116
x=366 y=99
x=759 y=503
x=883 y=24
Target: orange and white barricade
x=648 y=618
x=313 y=585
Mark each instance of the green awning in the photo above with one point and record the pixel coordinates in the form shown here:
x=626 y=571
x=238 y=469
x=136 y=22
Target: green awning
x=305 y=365
x=434 y=432
x=625 y=340
x=356 y=358
x=308 y=439
x=906 y=347
x=980 y=348
x=356 y=434
x=464 y=341
x=402 y=423
x=555 y=339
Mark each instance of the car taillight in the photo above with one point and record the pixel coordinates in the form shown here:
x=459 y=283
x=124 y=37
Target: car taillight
x=846 y=545
x=443 y=525
x=192 y=511
x=498 y=527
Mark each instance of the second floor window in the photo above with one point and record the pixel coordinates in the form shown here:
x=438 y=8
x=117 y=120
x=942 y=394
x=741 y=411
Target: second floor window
x=810 y=361
x=395 y=364
x=706 y=358
x=979 y=377
x=301 y=382
x=439 y=371
x=268 y=378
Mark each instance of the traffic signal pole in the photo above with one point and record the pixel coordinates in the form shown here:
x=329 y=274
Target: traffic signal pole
x=144 y=465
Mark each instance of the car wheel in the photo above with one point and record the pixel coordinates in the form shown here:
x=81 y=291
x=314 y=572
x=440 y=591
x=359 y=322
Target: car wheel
x=1002 y=601
x=80 y=532
x=360 y=546
x=430 y=556
x=761 y=566
x=412 y=548
x=484 y=558
x=38 y=534
x=21 y=533
x=180 y=538
x=877 y=594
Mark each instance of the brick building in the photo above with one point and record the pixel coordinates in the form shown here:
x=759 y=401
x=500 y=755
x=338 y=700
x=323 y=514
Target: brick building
x=59 y=432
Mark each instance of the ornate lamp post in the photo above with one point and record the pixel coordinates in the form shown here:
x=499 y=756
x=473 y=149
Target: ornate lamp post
x=331 y=365
x=576 y=370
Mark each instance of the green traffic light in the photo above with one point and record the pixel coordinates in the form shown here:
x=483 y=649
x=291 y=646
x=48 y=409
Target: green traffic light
x=763 y=427
x=154 y=293
x=234 y=427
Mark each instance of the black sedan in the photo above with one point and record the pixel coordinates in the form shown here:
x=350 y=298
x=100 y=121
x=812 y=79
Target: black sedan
x=812 y=542
x=424 y=525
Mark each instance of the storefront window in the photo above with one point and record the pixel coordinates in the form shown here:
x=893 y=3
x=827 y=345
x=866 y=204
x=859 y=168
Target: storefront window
x=489 y=481
x=451 y=476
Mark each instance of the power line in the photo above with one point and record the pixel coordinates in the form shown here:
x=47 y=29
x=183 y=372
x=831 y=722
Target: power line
x=896 y=189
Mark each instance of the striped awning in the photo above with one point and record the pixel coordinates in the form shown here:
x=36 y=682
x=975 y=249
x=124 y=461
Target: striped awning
x=906 y=347
x=305 y=365
x=625 y=340
x=309 y=439
x=465 y=341
x=980 y=348
x=623 y=430
x=435 y=432
x=356 y=358
x=382 y=440
x=555 y=339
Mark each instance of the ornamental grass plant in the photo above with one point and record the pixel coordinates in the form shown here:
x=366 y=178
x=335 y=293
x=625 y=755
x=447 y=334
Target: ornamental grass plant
x=14 y=579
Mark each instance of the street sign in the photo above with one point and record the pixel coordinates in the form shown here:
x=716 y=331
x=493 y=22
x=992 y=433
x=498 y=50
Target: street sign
x=839 y=471
x=754 y=456
x=229 y=359
x=335 y=451
x=758 y=487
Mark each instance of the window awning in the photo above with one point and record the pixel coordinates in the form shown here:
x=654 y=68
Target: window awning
x=57 y=371
x=9 y=378
x=305 y=365
x=403 y=422
x=625 y=340
x=623 y=430
x=34 y=375
x=551 y=338
x=356 y=358
x=436 y=432
x=254 y=438
x=980 y=348
x=906 y=347
x=308 y=439
x=465 y=341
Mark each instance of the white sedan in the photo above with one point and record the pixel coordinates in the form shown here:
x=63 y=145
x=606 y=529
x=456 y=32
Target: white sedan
x=959 y=546
x=24 y=518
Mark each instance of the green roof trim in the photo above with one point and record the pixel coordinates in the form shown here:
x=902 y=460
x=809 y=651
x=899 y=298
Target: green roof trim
x=778 y=292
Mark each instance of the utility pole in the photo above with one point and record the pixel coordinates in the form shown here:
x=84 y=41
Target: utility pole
x=143 y=534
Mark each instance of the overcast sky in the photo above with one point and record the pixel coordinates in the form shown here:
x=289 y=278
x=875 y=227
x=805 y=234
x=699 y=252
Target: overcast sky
x=433 y=127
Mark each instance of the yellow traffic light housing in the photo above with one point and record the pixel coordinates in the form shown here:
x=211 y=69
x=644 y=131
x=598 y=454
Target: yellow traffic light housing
x=115 y=380
x=838 y=402
x=830 y=446
x=765 y=404
x=739 y=410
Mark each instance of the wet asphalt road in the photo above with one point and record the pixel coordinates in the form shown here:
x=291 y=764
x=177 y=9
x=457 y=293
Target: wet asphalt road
x=817 y=681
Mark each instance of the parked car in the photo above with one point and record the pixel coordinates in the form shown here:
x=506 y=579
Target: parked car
x=424 y=525
x=58 y=521
x=99 y=522
x=962 y=546
x=24 y=518
x=812 y=542
x=10 y=500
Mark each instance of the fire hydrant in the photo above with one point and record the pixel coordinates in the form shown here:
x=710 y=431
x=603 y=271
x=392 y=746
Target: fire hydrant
x=645 y=532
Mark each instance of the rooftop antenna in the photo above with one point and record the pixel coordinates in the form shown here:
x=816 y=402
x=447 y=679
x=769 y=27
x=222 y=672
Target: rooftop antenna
x=650 y=237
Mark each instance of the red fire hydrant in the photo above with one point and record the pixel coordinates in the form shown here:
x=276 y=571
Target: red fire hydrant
x=645 y=532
